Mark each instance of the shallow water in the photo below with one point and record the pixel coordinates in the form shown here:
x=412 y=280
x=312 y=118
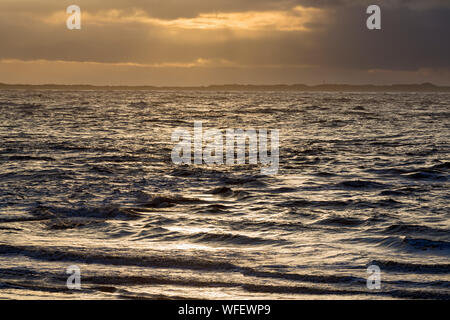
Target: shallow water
x=86 y=179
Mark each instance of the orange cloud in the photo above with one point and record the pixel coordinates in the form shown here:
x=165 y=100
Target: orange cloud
x=296 y=19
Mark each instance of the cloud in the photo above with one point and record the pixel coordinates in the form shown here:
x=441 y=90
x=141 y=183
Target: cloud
x=253 y=34
x=295 y=19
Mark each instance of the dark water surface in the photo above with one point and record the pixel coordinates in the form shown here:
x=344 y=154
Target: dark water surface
x=86 y=179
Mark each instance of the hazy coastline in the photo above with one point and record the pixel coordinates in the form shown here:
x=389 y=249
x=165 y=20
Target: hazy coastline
x=424 y=87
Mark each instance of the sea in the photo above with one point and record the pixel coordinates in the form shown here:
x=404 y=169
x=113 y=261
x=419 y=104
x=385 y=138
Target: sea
x=358 y=209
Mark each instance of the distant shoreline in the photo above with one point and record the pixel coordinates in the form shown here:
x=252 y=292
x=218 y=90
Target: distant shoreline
x=424 y=87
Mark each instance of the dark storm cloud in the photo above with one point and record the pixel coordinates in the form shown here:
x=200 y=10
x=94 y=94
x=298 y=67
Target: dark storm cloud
x=409 y=39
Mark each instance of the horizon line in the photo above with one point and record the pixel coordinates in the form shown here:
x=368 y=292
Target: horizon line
x=425 y=86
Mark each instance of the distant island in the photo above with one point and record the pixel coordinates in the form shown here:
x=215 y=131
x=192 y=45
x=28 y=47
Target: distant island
x=424 y=87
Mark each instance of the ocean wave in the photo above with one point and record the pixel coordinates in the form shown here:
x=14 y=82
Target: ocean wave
x=341 y=221
x=169 y=201
x=397 y=266
x=426 y=175
x=361 y=184
x=225 y=239
x=139 y=104
x=230 y=193
x=313 y=278
x=426 y=244
x=260 y=226
x=340 y=204
x=29 y=158
x=96 y=257
x=305 y=290
x=404 y=228
x=213 y=209
x=104 y=212
x=72 y=223
x=191 y=171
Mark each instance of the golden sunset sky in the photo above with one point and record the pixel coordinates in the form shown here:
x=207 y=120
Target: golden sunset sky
x=202 y=42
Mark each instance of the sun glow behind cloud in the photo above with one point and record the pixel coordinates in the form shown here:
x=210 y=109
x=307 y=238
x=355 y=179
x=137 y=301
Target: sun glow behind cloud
x=296 y=19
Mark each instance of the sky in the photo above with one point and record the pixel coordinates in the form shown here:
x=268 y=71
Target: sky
x=203 y=42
